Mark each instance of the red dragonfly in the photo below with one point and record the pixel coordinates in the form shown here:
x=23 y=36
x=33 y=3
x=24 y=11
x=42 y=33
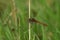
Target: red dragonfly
x=36 y=21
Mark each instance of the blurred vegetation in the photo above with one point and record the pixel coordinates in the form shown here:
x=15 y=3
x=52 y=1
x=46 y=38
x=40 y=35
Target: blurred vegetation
x=14 y=19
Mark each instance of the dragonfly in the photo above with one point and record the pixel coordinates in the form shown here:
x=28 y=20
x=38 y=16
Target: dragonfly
x=36 y=21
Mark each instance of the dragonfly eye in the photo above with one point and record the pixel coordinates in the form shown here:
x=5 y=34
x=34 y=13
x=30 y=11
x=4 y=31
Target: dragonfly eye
x=31 y=20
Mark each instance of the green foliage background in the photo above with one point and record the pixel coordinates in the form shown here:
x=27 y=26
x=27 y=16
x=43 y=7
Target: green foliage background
x=46 y=11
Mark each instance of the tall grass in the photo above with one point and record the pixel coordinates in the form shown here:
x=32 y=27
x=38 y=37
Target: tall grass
x=14 y=20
